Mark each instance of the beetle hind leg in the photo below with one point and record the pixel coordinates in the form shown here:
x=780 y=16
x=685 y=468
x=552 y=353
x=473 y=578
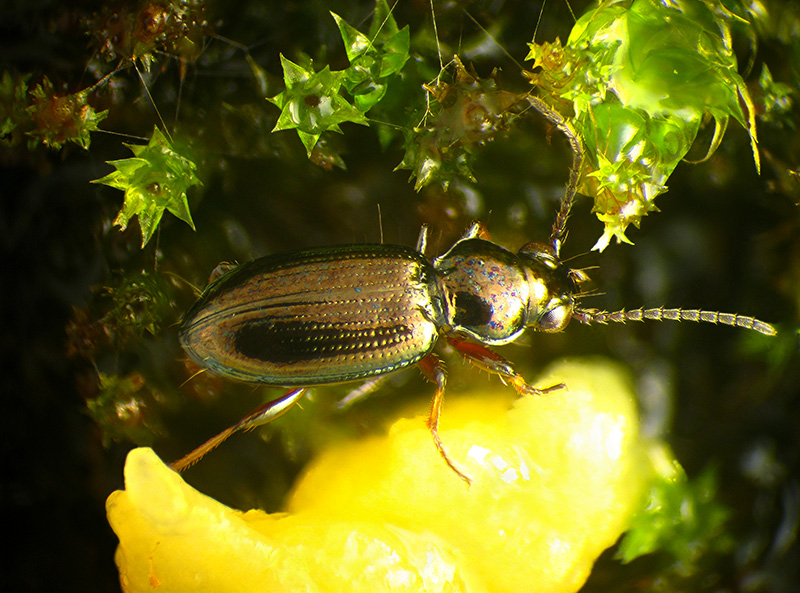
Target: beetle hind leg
x=487 y=360
x=261 y=415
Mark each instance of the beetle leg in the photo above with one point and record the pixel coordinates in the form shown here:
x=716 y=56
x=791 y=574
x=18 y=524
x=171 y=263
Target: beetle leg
x=477 y=230
x=490 y=361
x=362 y=391
x=221 y=269
x=422 y=240
x=434 y=370
x=261 y=415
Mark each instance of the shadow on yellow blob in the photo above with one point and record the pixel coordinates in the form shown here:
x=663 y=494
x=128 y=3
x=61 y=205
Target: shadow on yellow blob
x=556 y=479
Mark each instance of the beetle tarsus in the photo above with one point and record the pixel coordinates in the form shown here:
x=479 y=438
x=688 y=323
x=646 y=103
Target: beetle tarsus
x=189 y=460
x=487 y=360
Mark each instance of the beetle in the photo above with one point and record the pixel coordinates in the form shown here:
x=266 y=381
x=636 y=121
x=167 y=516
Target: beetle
x=359 y=312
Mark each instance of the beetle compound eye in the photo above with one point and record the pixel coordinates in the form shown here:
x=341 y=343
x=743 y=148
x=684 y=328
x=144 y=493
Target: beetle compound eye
x=555 y=319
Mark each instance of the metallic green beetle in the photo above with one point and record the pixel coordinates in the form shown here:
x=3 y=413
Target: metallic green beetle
x=360 y=312
x=354 y=312
x=357 y=312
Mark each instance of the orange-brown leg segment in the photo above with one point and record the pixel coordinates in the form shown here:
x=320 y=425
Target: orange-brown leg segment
x=477 y=230
x=261 y=415
x=489 y=361
x=483 y=232
x=435 y=371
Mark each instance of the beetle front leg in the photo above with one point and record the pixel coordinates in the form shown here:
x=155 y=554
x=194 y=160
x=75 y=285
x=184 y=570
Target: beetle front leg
x=435 y=371
x=490 y=361
x=476 y=230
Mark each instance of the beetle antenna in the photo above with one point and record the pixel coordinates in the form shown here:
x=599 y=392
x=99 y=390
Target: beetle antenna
x=559 y=231
x=660 y=314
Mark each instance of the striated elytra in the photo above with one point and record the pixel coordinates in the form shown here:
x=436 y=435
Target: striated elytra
x=351 y=312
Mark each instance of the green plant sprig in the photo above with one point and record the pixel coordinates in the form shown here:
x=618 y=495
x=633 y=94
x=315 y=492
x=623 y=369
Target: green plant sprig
x=155 y=179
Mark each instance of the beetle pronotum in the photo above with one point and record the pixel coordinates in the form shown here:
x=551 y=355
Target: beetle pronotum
x=357 y=312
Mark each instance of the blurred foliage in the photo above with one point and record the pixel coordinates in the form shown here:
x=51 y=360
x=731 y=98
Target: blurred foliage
x=137 y=302
x=777 y=98
x=681 y=518
x=465 y=112
x=124 y=408
x=137 y=32
x=42 y=115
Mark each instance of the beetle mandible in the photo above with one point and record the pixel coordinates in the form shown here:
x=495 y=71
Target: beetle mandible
x=358 y=312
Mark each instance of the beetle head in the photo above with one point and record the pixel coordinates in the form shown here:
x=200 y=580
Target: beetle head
x=554 y=287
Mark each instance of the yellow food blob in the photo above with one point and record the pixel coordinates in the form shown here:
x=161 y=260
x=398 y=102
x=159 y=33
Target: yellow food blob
x=555 y=480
